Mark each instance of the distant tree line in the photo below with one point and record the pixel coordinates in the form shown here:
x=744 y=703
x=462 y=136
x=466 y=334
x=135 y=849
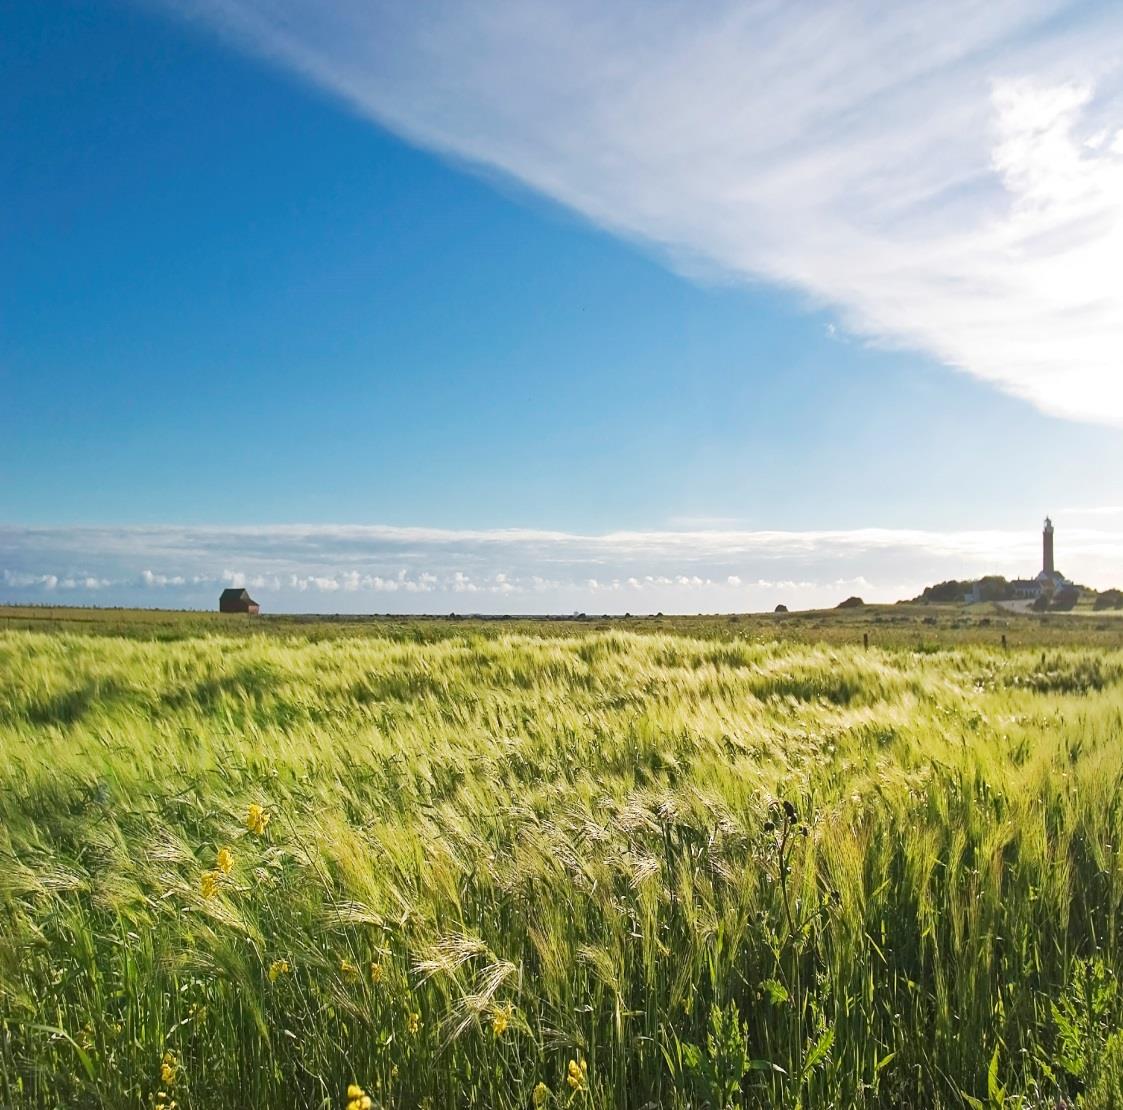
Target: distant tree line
x=991 y=588
x=1063 y=599
x=996 y=588
x=1108 y=599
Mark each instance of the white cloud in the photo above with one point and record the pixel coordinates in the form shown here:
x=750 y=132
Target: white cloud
x=22 y=581
x=160 y=580
x=947 y=176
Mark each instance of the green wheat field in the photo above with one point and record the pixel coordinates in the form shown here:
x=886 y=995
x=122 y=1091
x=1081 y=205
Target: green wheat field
x=648 y=863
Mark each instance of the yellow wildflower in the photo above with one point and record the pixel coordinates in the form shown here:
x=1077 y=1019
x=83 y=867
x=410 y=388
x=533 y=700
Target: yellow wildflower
x=256 y=819
x=167 y=1068
x=540 y=1095
x=357 y=1098
x=502 y=1018
x=348 y=968
x=208 y=884
x=577 y=1075
x=224 y=861
x=278 y=968
x=413 y=1022
x=377 y=972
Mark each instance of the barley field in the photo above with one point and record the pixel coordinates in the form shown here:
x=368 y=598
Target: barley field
x=659 y=865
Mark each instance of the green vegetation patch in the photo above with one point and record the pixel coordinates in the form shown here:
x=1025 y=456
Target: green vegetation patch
x=533 y=866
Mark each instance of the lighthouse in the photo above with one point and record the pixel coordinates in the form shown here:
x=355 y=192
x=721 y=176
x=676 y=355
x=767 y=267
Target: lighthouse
x=1047 y=549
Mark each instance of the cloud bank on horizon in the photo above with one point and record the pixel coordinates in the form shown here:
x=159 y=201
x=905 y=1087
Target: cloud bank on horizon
x=945 y=177
x=383 y=569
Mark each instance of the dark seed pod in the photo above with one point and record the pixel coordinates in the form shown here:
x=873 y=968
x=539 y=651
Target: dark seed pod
x=789 y=809
x=769 y=826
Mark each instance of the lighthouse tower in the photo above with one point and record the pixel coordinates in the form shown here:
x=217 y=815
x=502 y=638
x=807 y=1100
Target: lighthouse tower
x=1047 y=549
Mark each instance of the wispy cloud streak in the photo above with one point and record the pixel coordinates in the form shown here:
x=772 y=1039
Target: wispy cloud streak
x=946 y=176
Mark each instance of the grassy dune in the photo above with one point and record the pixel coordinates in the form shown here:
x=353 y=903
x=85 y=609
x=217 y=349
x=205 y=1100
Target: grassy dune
x=519 y=867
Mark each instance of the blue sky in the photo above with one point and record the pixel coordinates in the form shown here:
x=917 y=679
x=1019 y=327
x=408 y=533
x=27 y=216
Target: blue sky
x=358 y=281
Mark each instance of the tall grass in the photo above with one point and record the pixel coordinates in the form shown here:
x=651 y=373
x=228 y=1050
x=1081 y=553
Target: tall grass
x=488 y=857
